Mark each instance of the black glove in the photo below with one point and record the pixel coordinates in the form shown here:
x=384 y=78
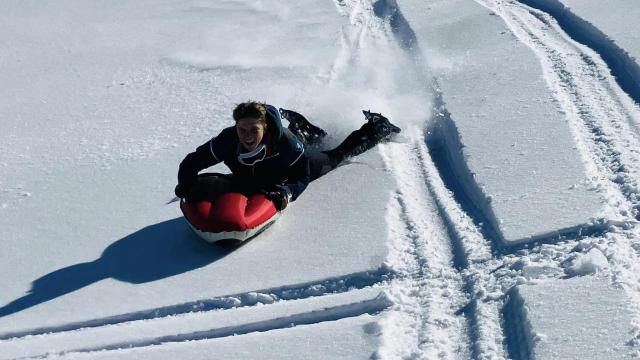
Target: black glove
x=181 y=191
x=279 y=195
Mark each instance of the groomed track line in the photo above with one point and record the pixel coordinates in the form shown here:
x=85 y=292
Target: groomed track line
x=334 y=313
x=603 y=120
x=335 y=285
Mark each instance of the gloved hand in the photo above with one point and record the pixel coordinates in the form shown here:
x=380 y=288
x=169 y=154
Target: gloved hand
x=181 y=191
x=279 y=195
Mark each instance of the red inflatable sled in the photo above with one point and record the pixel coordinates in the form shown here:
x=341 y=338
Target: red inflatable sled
x=232 y=216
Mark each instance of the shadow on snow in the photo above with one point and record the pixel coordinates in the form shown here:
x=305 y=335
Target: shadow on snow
x=155 y=252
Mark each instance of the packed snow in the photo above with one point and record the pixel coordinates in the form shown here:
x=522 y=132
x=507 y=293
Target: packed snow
x=589 y=321
x=502 y=223
x=511 y=109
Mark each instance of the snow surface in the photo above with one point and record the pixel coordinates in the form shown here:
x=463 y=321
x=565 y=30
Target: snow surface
x=516 y=176
x=531 y=175
x=589 y=321
x=131 y=267
x=199 y=326
x=614 y=18
x=603 y=26
x=584 y=264
x=348 y=338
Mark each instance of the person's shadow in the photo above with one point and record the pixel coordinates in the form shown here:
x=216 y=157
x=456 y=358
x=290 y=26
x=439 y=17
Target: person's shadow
x=152 y=253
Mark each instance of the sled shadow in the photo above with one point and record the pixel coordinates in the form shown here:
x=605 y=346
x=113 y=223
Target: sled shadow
x=155 y=252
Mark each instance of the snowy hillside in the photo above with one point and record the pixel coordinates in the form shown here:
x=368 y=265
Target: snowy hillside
x=502 y=223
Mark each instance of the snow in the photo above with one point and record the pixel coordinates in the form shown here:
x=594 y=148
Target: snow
x=342 y=339
x=585 y=264
x=501 y=223
x=203 y=325
x=613 y=18
x=530 y=175
x=99 y=159
x=603 y=26
x=131 y=267
x=589 y=321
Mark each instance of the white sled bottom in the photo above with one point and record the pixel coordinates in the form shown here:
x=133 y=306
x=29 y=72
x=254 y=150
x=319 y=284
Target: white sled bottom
x=212 y=237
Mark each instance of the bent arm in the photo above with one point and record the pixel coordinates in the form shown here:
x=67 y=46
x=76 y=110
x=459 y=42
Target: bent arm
x=298 y=177
x=200 y=159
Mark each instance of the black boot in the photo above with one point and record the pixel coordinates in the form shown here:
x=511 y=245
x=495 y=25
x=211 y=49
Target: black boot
x=377 y=129
x=302 y=128
x=379 y=126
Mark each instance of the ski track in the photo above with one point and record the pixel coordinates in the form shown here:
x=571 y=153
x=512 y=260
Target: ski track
x=623 y=67
x=334 y=313
x=429 y=318
x=430 y=274
x=455 y=257
x=603 y=120
x=600 y=113
x=437 y=223
x=447 y=302
x=337 y=285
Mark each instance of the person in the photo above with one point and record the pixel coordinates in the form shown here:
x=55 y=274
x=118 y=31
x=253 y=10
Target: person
x=264 y=157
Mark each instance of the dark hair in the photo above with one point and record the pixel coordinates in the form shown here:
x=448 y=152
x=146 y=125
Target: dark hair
x=250 y=109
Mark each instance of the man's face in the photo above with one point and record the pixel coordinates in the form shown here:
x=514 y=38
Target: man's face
x=250 y=132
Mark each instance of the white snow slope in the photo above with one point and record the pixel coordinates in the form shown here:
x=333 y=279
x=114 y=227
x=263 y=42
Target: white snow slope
x=501 y=223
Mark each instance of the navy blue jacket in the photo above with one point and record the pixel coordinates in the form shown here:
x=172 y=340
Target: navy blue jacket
x=285 y=164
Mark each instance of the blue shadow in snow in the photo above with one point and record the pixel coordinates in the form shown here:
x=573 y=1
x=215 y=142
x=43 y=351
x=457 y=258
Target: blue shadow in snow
x=623 y=66
x=155 y=252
